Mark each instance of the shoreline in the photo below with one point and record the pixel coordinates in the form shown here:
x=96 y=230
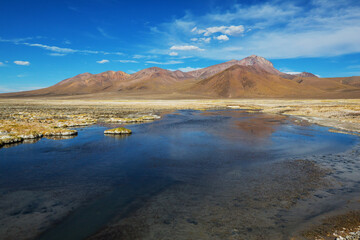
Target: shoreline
x=340 y=114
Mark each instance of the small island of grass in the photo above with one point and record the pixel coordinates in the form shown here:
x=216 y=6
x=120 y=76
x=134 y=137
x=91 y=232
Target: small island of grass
x=119 y=130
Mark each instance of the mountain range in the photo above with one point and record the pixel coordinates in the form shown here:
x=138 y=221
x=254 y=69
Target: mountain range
x=251 y=77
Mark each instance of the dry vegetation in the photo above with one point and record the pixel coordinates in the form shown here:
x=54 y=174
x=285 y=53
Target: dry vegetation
x=24 y=121
x=31 y=118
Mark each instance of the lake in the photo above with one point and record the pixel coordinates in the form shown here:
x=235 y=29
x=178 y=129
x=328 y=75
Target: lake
x=191 y=175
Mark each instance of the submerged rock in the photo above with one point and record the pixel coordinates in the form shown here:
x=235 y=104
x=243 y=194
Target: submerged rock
x=120 y=130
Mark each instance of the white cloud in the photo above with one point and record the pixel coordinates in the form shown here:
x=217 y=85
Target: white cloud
x=22 y=63
x=279 y=29
x=173 y=54
x=188 y=69
x=185 y=48
x=126 y=61
x=164 y=63
x=222 y=38
x=292 y=73
x=204 y=39
x=228 y=30
x=57 y=54
x=103 y=61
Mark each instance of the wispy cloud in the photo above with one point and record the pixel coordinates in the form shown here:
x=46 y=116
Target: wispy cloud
x=57 y=54
x=354 y=67
x=229 y=30
x=56 y=49
x=202 y=39
x=185 y=48
x=103 y=61
x=126 y=61
x=173 y=54
x=165 y=63
x=105 y=34
x=51 y=48
x=140 y=56
x=5 y=89
x=22 y=63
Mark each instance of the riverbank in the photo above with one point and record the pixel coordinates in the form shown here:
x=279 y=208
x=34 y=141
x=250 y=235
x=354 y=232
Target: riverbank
x=340 y=114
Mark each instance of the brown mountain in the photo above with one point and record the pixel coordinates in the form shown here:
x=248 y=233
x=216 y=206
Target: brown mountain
x=351 y=81
x=154 y=78
x=253 y=76
x=253 y=60
x=82 y=84
x=305 y=74
x=250 y=81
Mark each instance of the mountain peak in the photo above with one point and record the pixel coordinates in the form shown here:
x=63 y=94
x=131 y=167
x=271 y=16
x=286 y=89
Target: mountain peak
x=149 y=71
x=254 y=59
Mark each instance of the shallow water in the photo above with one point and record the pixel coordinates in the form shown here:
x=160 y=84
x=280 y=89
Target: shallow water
x=196 y=171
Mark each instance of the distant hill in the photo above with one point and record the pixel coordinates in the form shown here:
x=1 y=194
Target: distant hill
x=251 y=77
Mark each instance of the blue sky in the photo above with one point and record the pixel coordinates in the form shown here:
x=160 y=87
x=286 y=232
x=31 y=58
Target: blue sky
x=44 y=42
